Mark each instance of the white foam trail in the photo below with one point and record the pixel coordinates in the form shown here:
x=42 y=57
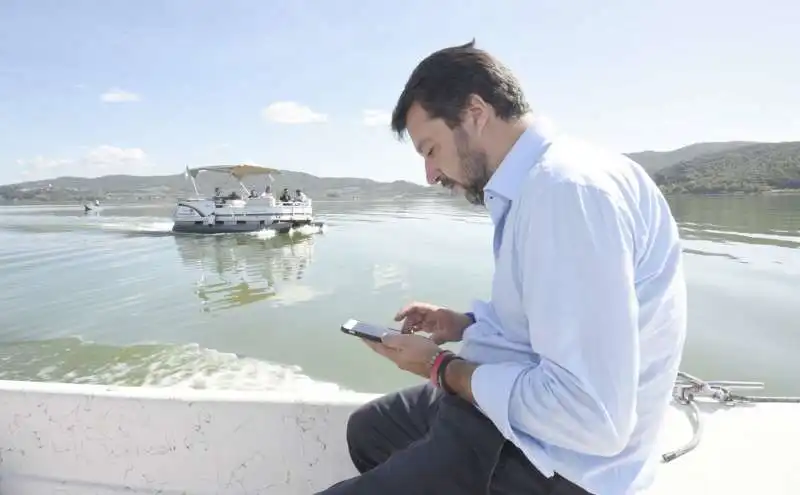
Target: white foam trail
x=263 y=234
x=158 y=226
x=306 y=230
x=302 y=230
x=195 y=367
x=157 y=365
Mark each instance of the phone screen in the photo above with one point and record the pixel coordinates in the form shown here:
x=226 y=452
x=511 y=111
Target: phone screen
x=365 y=330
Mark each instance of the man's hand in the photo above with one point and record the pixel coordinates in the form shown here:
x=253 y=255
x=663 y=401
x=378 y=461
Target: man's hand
x=412 y=353
x=415 y=353
x=443 y=325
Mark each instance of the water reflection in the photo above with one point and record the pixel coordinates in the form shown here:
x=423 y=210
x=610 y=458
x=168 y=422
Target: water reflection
x=422 y=208
x=244 y=269
x=749 y=214
x=785 y=240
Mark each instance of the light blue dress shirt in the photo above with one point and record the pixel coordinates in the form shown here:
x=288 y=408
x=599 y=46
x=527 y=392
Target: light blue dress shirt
x=580 y=343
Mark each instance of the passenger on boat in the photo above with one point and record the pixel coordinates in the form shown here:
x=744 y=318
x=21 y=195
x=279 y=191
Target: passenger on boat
x=300 y=197
x=286 y=197
x=267 y=194
x=566 y=371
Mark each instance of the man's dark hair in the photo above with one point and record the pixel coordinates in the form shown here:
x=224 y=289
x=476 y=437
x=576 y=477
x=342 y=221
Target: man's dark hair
x=443 y=82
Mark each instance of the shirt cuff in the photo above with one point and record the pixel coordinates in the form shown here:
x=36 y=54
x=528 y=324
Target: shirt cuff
x=479 y=309
x=492 y=385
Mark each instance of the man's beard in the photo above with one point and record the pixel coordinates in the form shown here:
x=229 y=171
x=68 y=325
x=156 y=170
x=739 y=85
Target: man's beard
x=475 y=167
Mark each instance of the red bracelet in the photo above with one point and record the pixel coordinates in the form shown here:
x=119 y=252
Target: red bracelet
x=437 y=361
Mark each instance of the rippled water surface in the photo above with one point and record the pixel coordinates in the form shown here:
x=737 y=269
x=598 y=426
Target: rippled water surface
x=115 y=298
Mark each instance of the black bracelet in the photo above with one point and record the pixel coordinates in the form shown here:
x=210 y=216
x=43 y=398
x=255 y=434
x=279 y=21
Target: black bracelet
x=440 y=375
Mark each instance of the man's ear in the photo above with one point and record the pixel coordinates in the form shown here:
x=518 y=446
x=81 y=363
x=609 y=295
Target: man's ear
x=476 y=114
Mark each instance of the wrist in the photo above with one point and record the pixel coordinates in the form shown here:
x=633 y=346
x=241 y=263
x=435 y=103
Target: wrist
x=441 y=370
x=457 y=375
x=465 y=320
x=434 y=366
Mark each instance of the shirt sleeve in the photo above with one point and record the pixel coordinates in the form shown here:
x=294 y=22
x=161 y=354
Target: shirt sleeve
x=575 y=272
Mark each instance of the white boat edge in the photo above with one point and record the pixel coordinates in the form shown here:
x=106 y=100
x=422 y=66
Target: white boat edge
x=80 y=439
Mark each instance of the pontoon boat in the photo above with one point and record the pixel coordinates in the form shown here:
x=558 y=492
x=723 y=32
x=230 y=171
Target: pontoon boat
x=245 y=212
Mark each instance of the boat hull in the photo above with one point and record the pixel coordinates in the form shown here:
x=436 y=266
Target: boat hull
x=236 y=228
x=78 y=439
x=239 y=216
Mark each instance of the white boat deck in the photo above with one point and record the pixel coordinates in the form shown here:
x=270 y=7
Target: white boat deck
x=89 y=439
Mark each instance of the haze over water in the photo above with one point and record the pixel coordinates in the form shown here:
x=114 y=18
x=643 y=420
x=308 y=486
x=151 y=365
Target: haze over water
x=116 y=298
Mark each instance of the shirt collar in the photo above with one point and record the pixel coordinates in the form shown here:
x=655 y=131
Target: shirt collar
x=521 y=158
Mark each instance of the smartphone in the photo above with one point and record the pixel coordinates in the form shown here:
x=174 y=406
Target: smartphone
x=365 y=330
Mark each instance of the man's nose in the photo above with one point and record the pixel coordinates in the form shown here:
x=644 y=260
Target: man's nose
x=431 y=173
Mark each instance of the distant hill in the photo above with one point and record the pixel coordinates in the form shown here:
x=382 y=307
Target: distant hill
x=653 y=161
x=702 y=168
x=751 y=168
x=169 y=187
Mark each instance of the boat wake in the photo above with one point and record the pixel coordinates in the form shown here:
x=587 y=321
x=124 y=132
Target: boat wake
x=59 y=224
x=74 y=360
x=128 y=226
x=154 y=227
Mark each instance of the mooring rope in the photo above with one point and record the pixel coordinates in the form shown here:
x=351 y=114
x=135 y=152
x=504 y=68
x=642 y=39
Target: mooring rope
x=688 y=388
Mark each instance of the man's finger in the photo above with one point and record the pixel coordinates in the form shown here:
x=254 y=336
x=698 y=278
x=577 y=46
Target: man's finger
x=410 y=324
x=414 y=309
x=404 y=312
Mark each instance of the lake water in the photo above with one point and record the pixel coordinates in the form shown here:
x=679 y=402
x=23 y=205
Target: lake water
x=115 y=298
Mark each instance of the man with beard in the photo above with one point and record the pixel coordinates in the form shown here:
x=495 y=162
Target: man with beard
x=565 y=374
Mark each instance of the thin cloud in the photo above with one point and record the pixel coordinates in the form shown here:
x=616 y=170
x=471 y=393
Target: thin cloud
x=116 y=95
x=98 y=161
x=371 y=117
x=290 y=112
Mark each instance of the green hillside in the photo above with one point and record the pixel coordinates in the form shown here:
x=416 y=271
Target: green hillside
x=653 y=161
x=751 y=168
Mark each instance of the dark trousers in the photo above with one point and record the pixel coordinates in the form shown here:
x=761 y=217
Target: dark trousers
x=421 y=441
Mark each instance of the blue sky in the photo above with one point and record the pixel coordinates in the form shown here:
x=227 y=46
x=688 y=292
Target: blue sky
x=95 y=87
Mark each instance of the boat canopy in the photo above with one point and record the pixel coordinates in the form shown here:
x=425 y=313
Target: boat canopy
x=239 y=171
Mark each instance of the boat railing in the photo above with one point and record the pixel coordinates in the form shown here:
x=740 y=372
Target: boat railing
x=689 y=388
x=296 y=207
